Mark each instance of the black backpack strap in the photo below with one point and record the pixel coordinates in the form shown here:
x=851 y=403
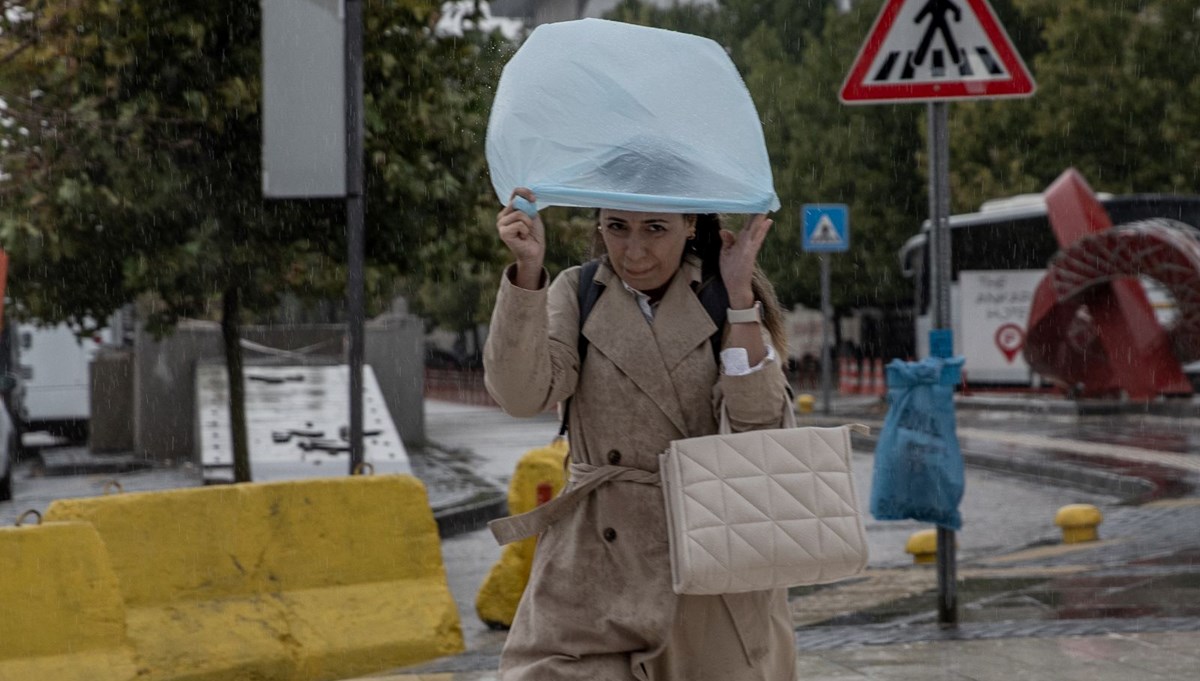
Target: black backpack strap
x=715 y=299
x=589 y=293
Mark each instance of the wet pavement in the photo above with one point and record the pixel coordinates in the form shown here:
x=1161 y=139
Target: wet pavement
x=1041 y=608
x=1030 y=607
x=1101 y=657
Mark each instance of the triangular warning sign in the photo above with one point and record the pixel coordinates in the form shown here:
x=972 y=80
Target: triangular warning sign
x=825 y=233
x=921 y=50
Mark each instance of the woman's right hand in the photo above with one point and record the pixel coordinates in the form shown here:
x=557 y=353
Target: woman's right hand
x=525 y=236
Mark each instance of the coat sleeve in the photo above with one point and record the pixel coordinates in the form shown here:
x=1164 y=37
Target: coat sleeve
x=756 y=401
x=531 y=356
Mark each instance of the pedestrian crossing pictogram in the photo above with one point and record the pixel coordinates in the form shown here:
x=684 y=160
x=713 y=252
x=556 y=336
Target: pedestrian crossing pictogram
x=952 y=44
x=936 y=49
x=981 y=62
x=825 y=233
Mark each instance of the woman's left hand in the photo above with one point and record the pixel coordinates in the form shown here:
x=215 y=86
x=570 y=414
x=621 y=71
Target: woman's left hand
x=739 y=252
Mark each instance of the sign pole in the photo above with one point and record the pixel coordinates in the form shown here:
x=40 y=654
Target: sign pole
x=939 y=216
x=826 y=349
x=355 y=210
x=825 y=229
x=924 y=51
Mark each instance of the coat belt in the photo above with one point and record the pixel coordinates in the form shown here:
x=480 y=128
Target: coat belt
x=584 y=479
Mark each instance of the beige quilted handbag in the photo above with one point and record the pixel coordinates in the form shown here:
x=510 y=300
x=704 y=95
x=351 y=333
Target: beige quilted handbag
x=762 y=509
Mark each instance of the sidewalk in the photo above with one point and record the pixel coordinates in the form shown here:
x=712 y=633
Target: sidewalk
x=1127 y=607
x=1115 y=657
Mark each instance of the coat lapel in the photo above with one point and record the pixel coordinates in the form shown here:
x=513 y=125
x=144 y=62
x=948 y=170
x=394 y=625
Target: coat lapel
x=617 y=328
x=681 y=322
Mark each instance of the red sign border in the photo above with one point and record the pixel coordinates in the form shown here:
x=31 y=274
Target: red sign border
x=855 y=91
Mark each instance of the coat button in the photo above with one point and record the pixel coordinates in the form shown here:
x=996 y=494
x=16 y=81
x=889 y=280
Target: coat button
x=614 y=457
x=610 y=535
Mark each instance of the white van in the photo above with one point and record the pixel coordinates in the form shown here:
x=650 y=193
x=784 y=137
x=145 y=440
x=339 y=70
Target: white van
x=54 y=366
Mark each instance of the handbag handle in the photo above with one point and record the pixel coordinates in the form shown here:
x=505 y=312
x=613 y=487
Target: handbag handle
x=789 y=420
x=789 y=417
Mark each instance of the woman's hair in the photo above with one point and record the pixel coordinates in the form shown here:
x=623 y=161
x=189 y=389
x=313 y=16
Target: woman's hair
x=707 y=246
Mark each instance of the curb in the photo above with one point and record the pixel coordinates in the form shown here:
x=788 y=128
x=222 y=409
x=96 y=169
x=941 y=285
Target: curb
x=1181 y=408
x=66 y=461
x=471 y=515
x=1130 y=489
x=474 y=512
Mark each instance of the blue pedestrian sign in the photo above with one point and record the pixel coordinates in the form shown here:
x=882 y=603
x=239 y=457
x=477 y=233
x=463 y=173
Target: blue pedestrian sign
x=826 y=228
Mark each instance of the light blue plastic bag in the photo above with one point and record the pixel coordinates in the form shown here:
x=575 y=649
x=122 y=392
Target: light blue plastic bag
x=603 y=114
x=918 y=464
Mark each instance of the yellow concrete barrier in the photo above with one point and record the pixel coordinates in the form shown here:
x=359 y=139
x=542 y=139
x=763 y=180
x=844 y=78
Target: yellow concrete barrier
x=314 y=579
x=538 y=478
x=62 y=617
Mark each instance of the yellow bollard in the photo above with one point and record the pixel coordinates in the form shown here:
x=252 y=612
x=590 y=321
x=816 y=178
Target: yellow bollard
x=1079 y=523
x=923 y=547
x=804 y=403
x=538 y=478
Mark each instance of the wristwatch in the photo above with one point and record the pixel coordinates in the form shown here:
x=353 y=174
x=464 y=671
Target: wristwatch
x=746 y=316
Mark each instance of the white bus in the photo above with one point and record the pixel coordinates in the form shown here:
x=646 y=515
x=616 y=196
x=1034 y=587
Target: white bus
x=998 y=257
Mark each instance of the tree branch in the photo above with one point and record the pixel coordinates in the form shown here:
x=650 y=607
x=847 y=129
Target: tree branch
x=32 y=40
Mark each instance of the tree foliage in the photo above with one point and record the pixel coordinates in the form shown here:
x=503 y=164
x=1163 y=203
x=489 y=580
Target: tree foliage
x=141 y=169
x=135 y=170
x=1118 y=95
x=794 y=57
x=140 y=172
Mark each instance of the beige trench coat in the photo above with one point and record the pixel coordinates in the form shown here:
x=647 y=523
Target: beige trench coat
x=599 y=605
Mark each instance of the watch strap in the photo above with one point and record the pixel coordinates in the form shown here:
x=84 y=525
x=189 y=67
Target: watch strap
x=746 y=316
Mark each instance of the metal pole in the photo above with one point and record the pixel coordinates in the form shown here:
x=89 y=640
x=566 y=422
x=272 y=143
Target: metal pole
x=826 y=350
x=355 y=210
x=939 y=210
x=939 y=215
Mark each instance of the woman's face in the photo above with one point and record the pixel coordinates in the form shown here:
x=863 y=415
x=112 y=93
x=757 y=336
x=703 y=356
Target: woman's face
x=645 y=249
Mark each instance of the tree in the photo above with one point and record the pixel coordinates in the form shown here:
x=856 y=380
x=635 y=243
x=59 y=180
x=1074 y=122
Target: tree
x=140 y=172
x=1117 y=96
x=823 y=151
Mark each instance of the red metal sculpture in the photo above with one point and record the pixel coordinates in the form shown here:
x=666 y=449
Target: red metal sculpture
x=1091 y=326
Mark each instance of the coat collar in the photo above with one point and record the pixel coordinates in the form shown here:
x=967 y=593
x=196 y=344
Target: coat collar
x=649 y=354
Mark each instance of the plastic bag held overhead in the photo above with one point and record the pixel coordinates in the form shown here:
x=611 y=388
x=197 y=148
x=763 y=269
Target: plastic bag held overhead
x=601 y=114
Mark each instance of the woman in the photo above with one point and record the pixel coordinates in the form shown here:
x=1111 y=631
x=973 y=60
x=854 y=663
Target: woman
x=599 y=604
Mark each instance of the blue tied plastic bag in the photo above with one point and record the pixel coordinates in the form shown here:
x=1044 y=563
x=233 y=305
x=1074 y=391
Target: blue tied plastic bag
x=602 y=114
x=918 y=464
